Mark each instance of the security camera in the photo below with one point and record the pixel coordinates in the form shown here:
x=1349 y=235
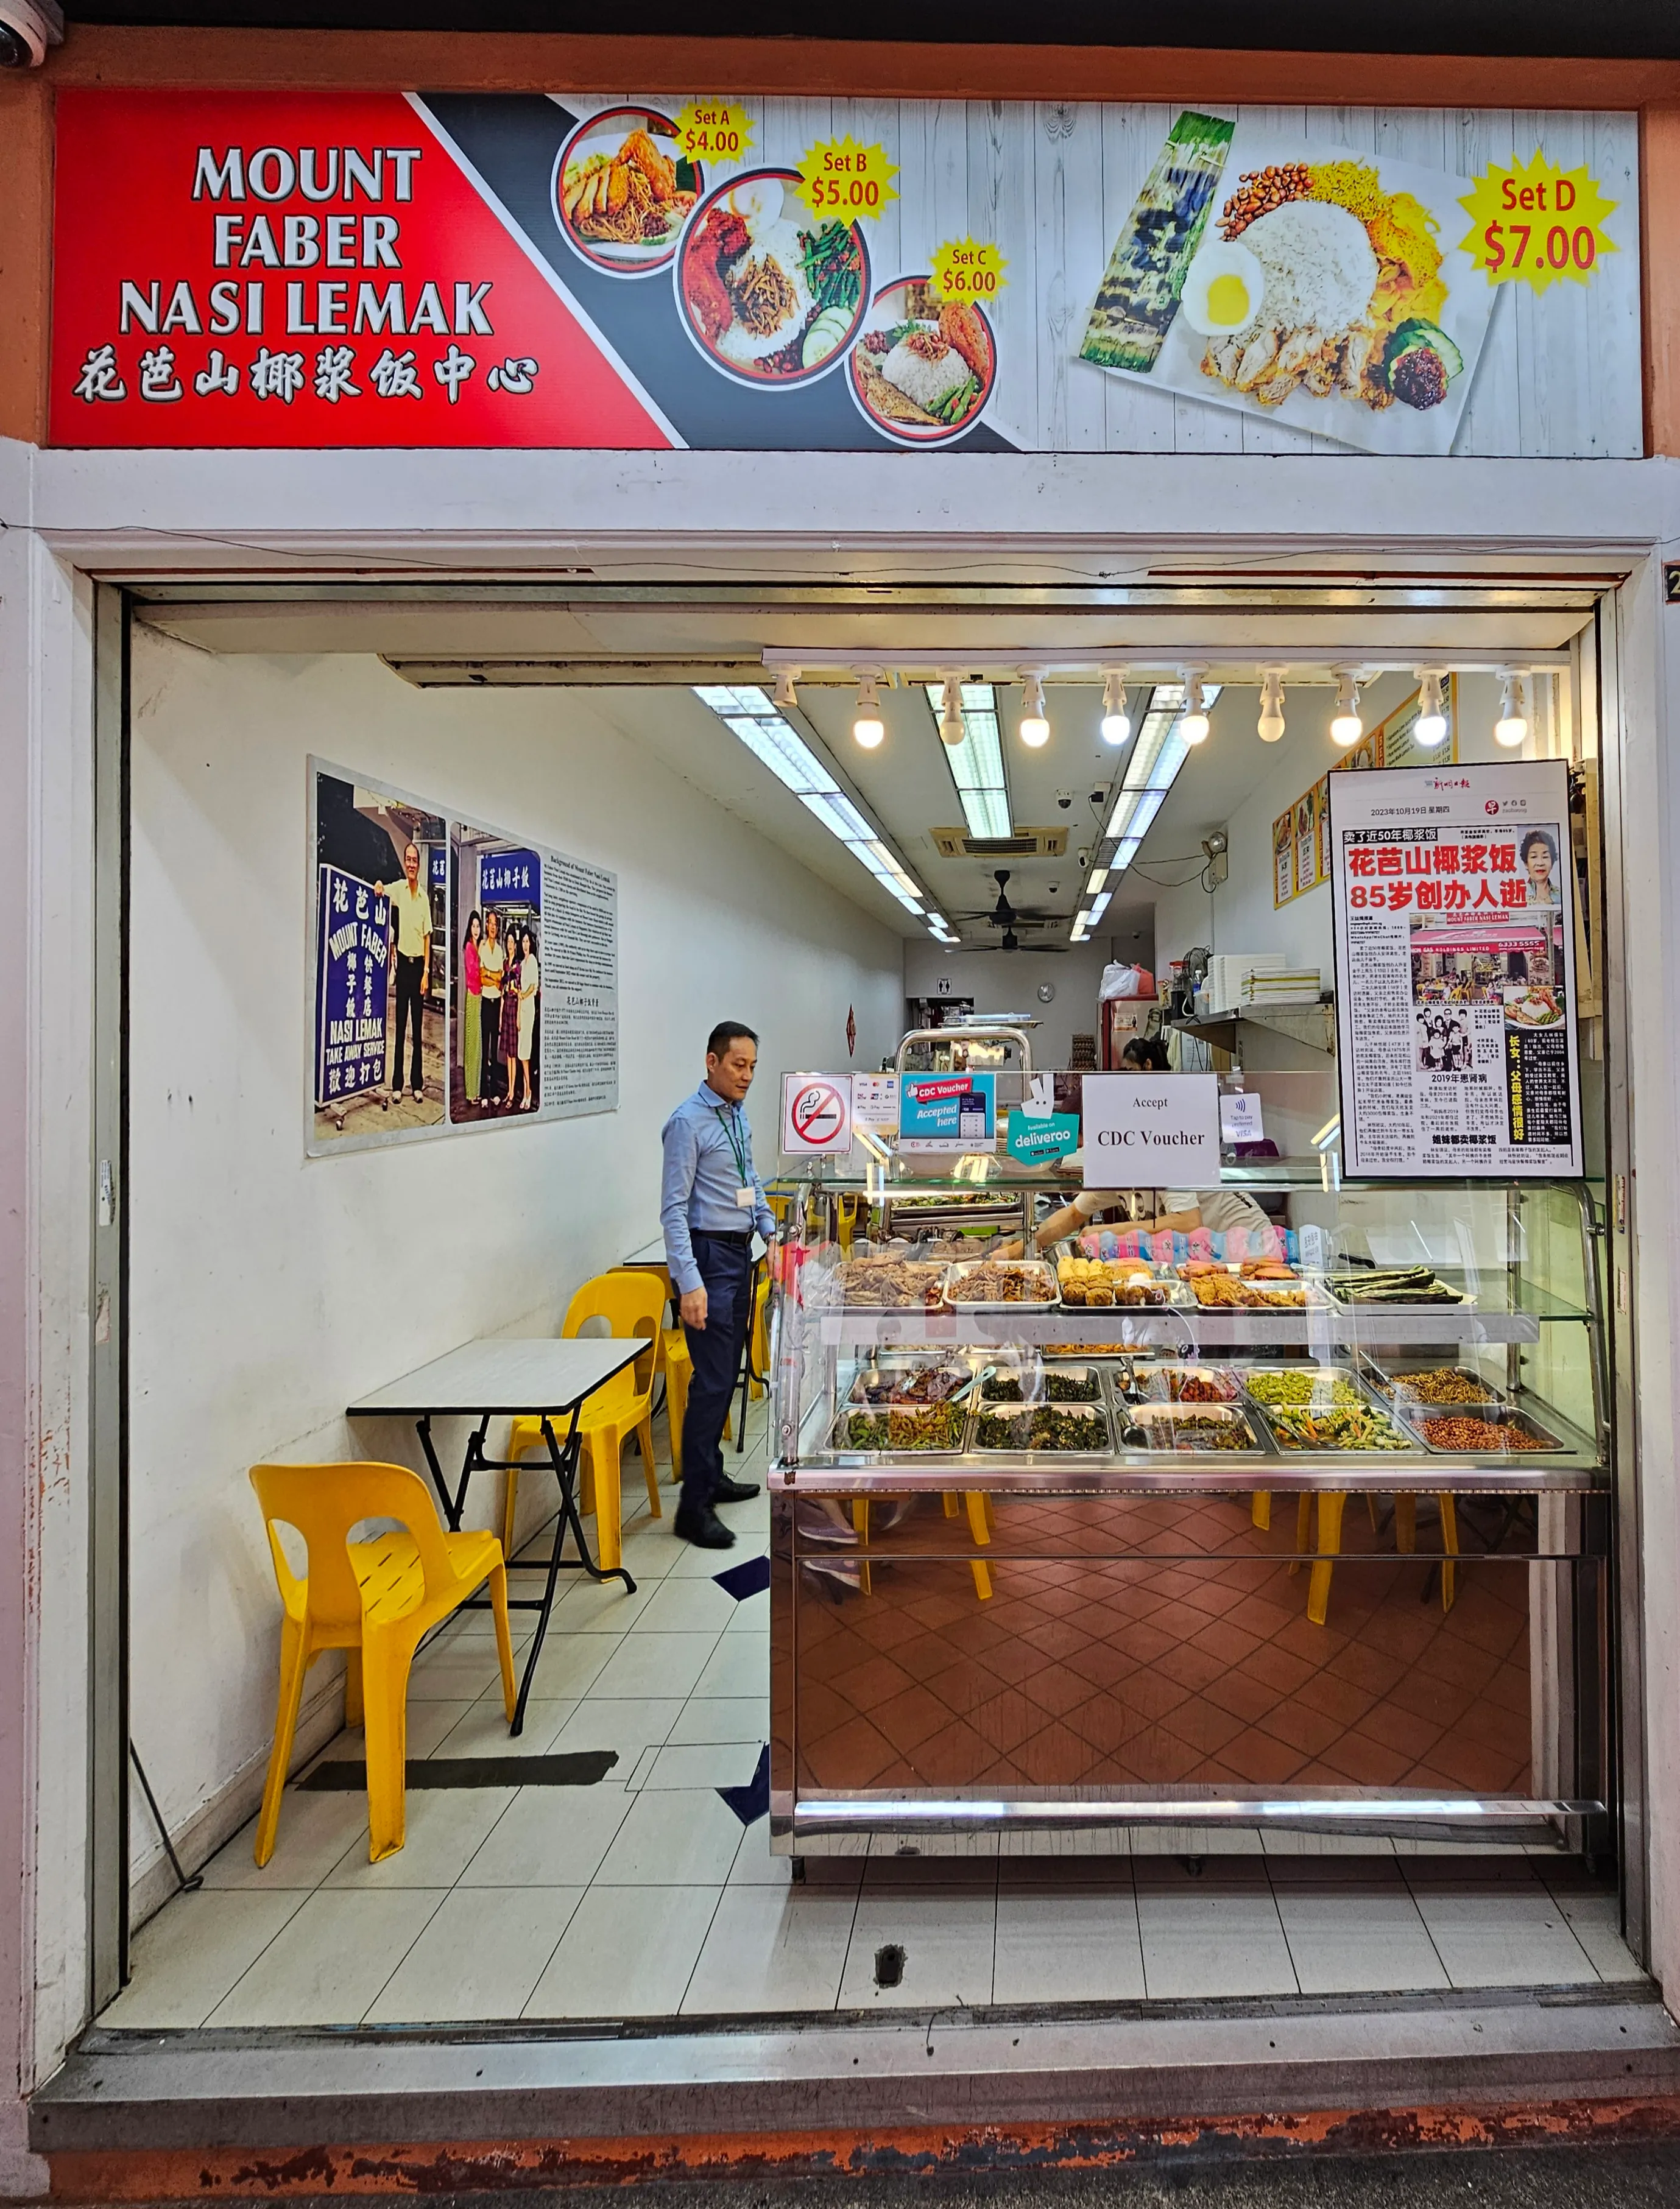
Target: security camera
x=1082 y=860
x=27 y=28
x=1064 y=798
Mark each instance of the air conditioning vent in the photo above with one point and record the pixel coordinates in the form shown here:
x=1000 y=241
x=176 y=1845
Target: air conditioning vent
x=1024 y=844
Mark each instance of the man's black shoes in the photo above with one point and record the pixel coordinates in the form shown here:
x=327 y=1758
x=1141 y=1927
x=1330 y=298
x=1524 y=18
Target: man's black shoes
x=704 y=1528
x=732 y=1491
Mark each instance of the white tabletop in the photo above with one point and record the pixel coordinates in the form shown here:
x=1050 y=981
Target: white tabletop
x=650 y=1254
x=496 y=1376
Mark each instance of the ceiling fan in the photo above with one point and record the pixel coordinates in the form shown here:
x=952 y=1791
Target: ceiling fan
x=1013 y=919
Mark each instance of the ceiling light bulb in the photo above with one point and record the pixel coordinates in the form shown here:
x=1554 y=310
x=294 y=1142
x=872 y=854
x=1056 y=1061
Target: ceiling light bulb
x=1430 y=729
x=1345 y=726
x=868 y=727
x=786 y=699
x=1512 y=726
x=1034 y=726
x=1116 y=724
x=1194 y=724
x=1269 y=727
x=950 y=711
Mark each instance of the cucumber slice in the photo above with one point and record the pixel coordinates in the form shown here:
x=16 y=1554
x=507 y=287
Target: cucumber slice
x=1421 y=332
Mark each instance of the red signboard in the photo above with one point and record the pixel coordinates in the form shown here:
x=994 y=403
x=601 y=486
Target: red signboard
x=302 y=269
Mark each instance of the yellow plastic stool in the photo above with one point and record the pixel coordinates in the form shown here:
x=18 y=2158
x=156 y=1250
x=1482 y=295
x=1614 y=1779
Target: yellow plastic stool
x=375 y=1600
x=632 y=1303
x=981 y=1527
x=1331 y=1503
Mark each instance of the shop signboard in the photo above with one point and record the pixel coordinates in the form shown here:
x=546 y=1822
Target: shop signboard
x=339 y=269
x=1453 y=894
x=815 y=1115
x=1151 y=1130
x=948 y=1112
x=351 y=944
x=536 y=1039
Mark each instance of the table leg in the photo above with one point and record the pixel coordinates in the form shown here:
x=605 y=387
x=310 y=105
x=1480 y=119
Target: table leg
x=563 y=1458
x=451 y=1504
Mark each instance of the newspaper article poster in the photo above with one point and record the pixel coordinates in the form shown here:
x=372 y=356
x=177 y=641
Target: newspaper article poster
x=1452 y=891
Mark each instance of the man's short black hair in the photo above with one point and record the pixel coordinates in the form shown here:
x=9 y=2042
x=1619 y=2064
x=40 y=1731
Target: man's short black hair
x=725 y=1034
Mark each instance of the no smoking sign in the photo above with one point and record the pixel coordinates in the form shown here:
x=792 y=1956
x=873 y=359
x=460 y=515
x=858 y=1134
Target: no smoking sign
x=815 y=1115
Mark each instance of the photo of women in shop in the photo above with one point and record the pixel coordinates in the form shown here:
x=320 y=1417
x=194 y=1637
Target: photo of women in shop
x=495 y=996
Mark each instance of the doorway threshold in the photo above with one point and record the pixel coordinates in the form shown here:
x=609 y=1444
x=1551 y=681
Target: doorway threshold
x=185 y=2114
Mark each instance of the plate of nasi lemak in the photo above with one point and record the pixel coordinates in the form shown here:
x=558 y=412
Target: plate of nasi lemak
x=922 y=366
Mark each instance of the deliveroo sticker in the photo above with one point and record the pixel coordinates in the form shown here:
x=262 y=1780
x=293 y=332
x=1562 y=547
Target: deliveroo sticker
x=1042 y=1143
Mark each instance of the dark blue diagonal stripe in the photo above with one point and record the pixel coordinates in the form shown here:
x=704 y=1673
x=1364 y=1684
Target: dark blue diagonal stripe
x=741 y=1580
x=752 y=1802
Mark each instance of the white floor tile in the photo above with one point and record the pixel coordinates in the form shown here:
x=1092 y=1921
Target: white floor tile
x=480 y=1956
x=1290 y=1843
x=454 y=1674
x=550 y=1837
x=1205 y=1937
x=684 y=1603
x=722 y=1717
x=602 y=1608
x=774 y=1948
x=651 y=1664
x=1204 y=1841
x=1595 y=1920
x=674 y=1838
x=314 y=1831
x=188 y=1957
x=1081 y=1944
x=570 y=1665
x=621 y=1723
x=751 y=1616
x=1500 y=1934
x=947 y=1939
x=1346 y=1941
x=331 y=1960
x=705 y=1764
x=444 y=1826
x=627 y=1951
x=740 y=1666
x=649 y=1549
x=428 y=1724
x=483 y=1731
x=692 y=1562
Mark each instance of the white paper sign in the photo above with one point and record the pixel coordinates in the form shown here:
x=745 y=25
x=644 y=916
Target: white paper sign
x=1452 y=895
x=1240 y=1119
x=815 y=1115
x=875 y=1103
x=1152 y=1130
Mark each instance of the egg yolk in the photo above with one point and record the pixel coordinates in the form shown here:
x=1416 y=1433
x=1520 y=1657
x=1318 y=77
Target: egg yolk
x=1228 y=302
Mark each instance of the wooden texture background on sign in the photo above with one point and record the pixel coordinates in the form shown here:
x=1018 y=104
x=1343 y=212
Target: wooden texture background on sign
x=1522 y=97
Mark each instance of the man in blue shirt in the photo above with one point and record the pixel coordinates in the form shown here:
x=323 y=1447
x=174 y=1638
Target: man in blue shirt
x=710 y=1201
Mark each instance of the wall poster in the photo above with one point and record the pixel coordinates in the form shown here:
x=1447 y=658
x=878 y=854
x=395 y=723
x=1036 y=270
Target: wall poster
x=664 y=268
x=460 y=977
x=1301 y=836
x=1455 y=987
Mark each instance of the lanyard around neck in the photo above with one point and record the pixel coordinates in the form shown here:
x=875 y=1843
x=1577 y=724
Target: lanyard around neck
x=737 y=1142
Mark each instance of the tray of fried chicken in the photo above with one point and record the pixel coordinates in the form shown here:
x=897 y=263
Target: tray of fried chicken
x=1252 y=1285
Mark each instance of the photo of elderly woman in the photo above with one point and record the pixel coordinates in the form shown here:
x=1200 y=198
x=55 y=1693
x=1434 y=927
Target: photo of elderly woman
x=1539 y=854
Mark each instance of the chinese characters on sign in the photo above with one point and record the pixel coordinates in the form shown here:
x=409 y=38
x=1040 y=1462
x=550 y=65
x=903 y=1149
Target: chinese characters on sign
x=1452 y=895
x=350 y=987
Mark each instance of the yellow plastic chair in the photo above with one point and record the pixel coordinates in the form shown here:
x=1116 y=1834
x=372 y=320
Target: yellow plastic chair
x=981 y=1527
x=678 y=1362
x=632 y=1303
x=375 y=1599
x=1331 y=1503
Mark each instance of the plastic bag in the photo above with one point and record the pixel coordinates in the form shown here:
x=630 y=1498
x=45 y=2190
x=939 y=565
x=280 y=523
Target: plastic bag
x=1123 y=981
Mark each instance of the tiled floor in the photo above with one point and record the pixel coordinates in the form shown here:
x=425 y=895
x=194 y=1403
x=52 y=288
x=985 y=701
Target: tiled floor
x=653 y=1893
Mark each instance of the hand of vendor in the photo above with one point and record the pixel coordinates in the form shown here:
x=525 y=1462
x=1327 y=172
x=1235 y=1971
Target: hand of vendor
x=1065 y=1221
x=693 y=1308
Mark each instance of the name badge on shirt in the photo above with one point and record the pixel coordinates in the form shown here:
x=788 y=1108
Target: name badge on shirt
x=745 y=1199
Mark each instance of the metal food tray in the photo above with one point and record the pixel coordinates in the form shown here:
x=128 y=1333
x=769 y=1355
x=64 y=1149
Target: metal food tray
x=956 y=1274
x=1165 y=1417
x=1493 y=1415
x=896 y=1362
x=1462 y=1300
x=1175 y=1293
x=1363 y=1392
x=1097 y=1413
x=840 y=1443
x=1015 y=1403
x=1393 y=1380
x=1369 y=1453
x=851 y=1303
x=913 y=1213
x=1143 y=1376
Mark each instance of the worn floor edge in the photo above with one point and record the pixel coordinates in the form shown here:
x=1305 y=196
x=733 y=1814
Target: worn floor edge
x=133 y=2093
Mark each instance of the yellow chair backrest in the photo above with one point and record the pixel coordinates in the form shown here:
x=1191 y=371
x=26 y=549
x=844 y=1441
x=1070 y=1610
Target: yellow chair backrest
x=630 y=1303
x=326 y=1503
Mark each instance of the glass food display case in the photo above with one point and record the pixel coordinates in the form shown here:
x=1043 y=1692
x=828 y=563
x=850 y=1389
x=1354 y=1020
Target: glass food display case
x=1302 y=1525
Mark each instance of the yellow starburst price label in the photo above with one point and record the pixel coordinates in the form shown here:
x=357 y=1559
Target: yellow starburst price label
x=838 y=178
x=713 y=130
x=969 y=269
x=1534 y=222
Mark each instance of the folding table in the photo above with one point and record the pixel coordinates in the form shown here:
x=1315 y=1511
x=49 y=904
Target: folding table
x=546 y=1380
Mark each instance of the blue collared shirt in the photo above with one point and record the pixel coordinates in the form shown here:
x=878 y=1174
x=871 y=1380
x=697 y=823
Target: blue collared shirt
x=701 y=1175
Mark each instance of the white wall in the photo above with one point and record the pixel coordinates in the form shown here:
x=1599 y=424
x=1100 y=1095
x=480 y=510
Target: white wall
x=1240 y=915
x=1008 y=981
x=266 y=1289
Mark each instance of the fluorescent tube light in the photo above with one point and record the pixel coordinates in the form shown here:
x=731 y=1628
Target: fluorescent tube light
x=977 y=763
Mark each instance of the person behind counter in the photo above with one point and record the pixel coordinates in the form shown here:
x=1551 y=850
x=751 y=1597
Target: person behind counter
x=710 y=1201
x=1179 y=1210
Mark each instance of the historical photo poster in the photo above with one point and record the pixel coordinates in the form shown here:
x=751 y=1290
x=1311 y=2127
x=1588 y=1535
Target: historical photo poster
x=1452 y=895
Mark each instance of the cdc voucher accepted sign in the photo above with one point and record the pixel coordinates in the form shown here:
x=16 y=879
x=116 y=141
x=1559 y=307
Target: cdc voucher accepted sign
x=1152 y=1130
